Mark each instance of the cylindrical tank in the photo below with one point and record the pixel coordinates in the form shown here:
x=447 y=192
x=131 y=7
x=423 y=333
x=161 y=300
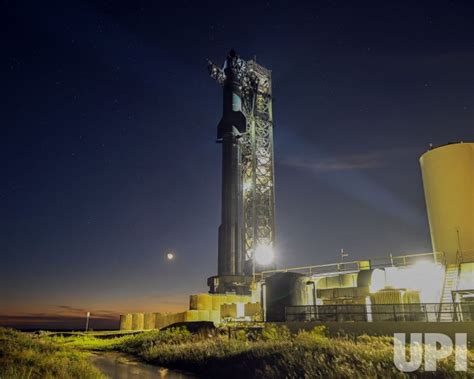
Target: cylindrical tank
x=137 y=321
x=217 y=300
x=149 y=320
x=282 y=290
x=126 y=321
x=201 y=302
x=374 y=279
x=160 y=320
x=448 y=181
x=338 y=281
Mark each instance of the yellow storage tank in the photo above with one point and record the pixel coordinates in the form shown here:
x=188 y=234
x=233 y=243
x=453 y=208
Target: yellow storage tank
x=244 y=299
x=252 y=309
x=177 y=317
x=231 y=298
x=387 y=296
x=200 y=302
x=448 y=181
x=126 y=321
x=337 y=281
x=160 y=320
x=192 y=315
x=229 y=310
x=193 y=301
x=149 y=321
x=411 y=297
x=364 y=265
x=137 y=321
x=215 y=316
x=217 y=300
x=204 y=315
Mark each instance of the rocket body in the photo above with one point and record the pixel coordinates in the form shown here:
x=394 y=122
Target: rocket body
x=229 y=130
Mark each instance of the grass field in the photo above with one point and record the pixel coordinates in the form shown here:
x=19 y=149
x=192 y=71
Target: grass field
x=25 y=356
x=270 y=353
x=276 y=353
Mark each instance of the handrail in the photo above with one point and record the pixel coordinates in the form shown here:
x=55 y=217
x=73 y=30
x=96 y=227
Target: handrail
x=311 y=267
x=341 y=266
x=428 y=312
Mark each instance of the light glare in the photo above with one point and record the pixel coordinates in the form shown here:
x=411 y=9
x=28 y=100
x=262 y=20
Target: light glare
x=423 y=276
x=264 y=254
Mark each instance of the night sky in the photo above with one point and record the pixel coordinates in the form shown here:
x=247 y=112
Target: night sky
x=108 y=125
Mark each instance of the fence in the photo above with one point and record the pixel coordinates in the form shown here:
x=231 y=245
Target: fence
x=426 y=312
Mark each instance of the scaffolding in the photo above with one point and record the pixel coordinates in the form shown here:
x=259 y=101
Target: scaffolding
x=257 y=177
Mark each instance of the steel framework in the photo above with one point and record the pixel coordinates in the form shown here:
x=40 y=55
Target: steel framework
x=257 y=179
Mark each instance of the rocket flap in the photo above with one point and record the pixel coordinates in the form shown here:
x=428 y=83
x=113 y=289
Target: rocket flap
x=233 y=119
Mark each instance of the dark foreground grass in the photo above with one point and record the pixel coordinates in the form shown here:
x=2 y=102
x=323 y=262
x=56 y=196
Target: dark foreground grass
x=26 y=356
x=270 y=353
x=276 y=353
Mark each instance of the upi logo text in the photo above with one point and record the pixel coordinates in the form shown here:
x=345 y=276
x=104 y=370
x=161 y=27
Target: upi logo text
x=436 y=346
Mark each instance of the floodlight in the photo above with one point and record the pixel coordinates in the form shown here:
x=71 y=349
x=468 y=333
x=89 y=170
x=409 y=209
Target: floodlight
x=264 y=254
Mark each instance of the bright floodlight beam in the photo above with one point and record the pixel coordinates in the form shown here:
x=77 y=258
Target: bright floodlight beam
x=264 y=254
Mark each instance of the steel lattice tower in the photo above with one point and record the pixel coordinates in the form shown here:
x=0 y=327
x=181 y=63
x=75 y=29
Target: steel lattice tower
x=248 y=122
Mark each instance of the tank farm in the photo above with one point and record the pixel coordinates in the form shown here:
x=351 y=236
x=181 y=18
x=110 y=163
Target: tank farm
x=430 y=287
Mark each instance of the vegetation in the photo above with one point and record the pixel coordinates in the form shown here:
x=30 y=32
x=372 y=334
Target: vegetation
x=85 y=342
x=275 y=353
x=271 y=352
x=24 y=356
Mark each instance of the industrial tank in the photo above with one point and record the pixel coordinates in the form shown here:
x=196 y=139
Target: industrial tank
x=282 y=290
x=138 y=321
x=149 y=320
x=126 y=321
x=448 y=181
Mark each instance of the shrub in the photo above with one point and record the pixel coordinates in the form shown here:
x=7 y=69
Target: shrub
x=272 y=332
x=145 y=341
x=240 y=335
x=315 y=335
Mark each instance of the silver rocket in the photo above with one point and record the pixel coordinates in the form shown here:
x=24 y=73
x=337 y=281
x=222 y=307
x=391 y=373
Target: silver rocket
x=246 y=134
x=229 y=131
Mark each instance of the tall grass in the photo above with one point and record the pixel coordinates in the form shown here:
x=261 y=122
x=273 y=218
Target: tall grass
x=272 y=352
x=88 y=342
x=276 y=353
x=26 y=356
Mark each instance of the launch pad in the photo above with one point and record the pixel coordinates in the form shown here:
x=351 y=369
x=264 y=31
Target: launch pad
x=435 y=286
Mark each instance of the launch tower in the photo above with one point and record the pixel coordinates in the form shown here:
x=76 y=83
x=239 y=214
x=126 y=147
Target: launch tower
x=247 y=230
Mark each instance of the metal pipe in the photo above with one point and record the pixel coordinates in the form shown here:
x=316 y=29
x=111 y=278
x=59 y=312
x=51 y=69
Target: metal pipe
x=263 y=300
x=314 y=297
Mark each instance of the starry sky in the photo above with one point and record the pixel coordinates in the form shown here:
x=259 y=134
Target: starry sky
x=108 y=150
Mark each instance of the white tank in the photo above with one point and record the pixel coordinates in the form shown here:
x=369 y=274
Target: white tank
x=448 y=181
